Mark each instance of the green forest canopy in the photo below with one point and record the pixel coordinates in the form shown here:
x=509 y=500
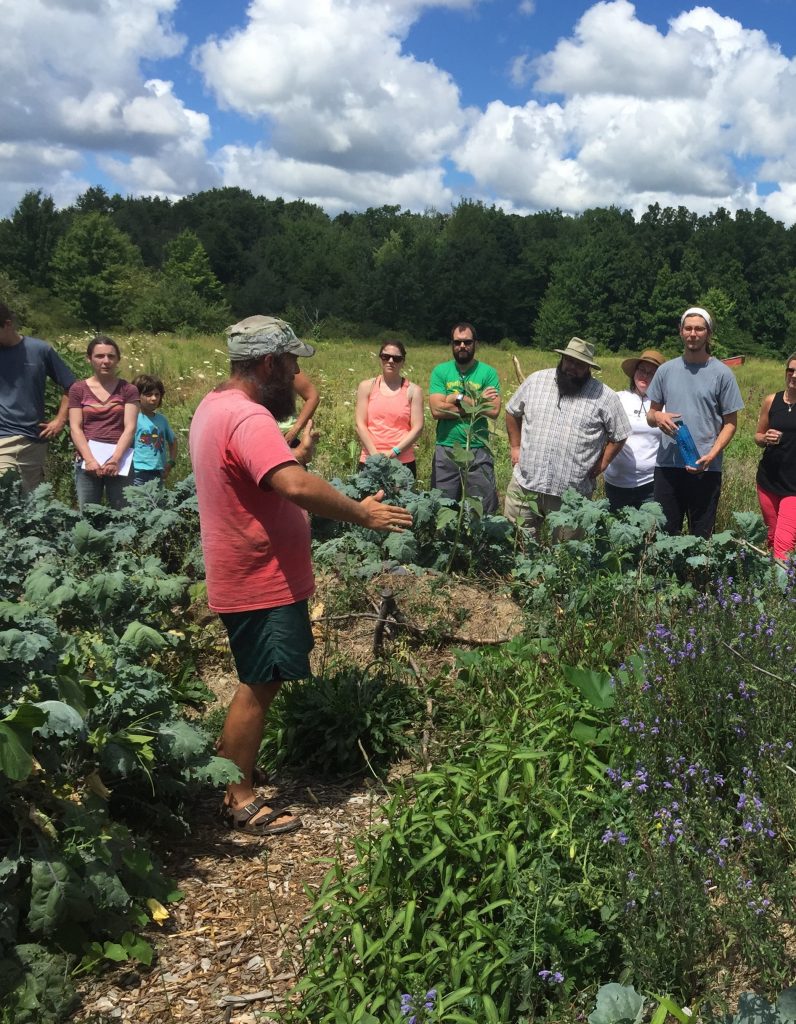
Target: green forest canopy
x=145 y=263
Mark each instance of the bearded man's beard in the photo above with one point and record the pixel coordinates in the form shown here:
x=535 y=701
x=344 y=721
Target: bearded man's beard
x=278 y=399
x=568 y=383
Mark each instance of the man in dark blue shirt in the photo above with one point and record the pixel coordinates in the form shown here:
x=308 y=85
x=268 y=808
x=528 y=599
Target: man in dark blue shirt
x=25 y=365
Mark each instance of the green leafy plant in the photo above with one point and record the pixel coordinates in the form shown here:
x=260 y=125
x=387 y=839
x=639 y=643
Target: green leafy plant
x=483 y=878
x=94 y=746
x=341 y=723
x=621 y=1004
x=445 y=535
x=706 y=803
x=617 y=1004
x=463 y=456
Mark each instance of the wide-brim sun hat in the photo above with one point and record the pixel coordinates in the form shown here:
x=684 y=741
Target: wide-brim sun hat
x=649 y=355
x=581 y=350
x=264 y=335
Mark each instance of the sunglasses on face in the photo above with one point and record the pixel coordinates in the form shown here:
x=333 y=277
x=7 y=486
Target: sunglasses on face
x=467 y=342
x=386 y=357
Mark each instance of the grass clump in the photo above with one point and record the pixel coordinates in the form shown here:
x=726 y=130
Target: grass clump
x=342 y=723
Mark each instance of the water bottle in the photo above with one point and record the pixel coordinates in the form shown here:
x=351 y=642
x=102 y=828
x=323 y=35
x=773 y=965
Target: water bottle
x=685 y=444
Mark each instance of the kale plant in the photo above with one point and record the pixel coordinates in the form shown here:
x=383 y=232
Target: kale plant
x=445 y=536
x=94 y=745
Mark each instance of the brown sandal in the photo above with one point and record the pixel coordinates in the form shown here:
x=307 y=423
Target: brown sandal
x=240 y=819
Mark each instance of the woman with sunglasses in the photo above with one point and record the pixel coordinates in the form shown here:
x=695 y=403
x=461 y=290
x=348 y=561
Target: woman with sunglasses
x=776 y=473
x=389 y=413
x=628 y=480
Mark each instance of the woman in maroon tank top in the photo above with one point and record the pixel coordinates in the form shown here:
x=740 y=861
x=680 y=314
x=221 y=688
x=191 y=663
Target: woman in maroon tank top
x=776 y=473
x=103 y=412
x=389 y=413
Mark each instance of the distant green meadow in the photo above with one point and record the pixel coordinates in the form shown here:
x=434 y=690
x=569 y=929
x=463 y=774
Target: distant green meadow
x=190 y=367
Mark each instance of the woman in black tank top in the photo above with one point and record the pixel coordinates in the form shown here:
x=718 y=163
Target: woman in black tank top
x=776 y=474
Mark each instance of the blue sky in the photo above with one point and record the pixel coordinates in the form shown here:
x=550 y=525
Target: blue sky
x=528 y=104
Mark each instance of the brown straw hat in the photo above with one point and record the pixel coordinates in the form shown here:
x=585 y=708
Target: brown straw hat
x=649 y=355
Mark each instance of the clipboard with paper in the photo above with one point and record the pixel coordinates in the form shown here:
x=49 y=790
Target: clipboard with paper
x=102 y=451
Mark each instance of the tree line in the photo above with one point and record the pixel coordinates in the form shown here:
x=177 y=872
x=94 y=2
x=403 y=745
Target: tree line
x=151 y=264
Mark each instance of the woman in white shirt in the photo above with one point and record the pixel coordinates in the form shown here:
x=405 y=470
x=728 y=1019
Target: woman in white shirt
x=628 y=480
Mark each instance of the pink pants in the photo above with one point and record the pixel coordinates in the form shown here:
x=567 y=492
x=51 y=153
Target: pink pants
x=779 y=515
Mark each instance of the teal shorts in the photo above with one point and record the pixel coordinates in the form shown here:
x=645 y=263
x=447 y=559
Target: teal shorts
x=271 y=645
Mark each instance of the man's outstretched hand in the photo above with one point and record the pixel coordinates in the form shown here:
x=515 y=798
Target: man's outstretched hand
x=384 y=517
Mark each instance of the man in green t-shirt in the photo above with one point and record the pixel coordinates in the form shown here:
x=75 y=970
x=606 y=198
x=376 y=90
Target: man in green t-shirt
x=455 y=387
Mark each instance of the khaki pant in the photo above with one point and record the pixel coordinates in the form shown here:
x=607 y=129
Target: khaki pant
x=533 y=506
x=26 y=456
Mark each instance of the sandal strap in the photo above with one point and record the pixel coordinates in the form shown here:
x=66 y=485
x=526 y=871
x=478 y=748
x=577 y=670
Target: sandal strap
x=249 y=810
x=239 y=816
x=266 y=819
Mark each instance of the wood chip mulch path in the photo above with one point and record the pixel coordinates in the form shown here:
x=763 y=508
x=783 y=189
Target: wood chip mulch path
x=235 y=934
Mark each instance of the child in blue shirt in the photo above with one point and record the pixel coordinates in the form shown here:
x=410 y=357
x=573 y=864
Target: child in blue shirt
x=152 y=434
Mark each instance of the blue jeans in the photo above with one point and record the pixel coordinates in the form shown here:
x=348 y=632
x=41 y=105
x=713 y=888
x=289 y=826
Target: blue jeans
x=91 y=487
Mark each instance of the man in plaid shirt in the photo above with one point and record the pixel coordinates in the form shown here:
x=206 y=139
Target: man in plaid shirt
x=564 y=429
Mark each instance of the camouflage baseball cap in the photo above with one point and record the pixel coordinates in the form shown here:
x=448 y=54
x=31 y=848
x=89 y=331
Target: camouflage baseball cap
x=263 y=335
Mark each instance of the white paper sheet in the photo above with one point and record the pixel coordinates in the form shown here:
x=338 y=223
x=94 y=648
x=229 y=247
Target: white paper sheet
x=102 y=451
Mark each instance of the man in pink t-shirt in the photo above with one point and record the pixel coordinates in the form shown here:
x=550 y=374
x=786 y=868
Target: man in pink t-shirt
x=254 y=494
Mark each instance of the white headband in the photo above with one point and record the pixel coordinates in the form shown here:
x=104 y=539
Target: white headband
x=698 y=311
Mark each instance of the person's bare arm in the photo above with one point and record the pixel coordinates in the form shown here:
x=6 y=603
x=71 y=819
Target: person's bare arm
x=665 y=421
x=764 y=435
x=492 y=395
x=53 y=428
x=361 y=415
x=514 y=430
x=111 y=466
x=415 y=420
x=726 y=435
x=610 y=452
x=443 y=407
x=172 y=457
x=80 y=441
x=319 y=497
x=310 y=396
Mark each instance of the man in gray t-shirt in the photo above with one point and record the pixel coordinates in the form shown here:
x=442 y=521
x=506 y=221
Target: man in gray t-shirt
x=700 y=391
x=25 y=365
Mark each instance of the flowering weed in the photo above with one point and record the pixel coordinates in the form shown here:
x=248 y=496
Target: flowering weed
x=707 y=806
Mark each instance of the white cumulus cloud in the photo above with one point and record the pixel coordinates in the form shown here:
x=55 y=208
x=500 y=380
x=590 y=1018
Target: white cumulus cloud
x=322 y=100
x=73 y=84
x=266 y=172
x=640 y=116
x=334 y=85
